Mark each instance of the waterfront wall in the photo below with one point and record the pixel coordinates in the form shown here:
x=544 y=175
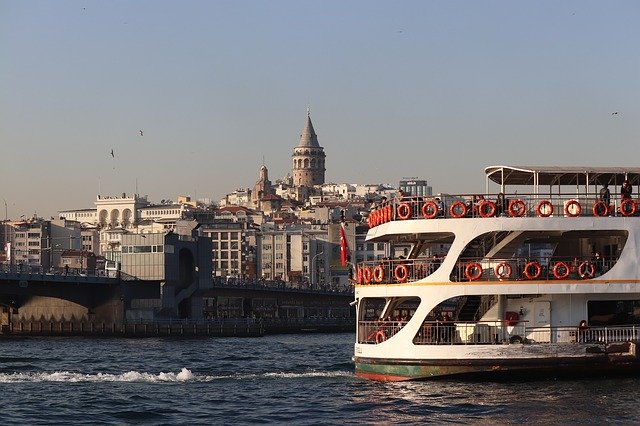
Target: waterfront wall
x=230 y=327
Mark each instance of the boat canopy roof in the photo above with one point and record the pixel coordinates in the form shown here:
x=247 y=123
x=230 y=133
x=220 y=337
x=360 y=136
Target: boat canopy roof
x=558 y=176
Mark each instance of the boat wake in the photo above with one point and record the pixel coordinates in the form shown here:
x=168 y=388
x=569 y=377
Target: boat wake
x=185 y=375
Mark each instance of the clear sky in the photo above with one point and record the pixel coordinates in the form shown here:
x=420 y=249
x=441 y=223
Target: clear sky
x=432 y=89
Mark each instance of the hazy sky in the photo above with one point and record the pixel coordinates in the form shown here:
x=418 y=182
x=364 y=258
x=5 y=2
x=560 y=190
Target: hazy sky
x=432 y=89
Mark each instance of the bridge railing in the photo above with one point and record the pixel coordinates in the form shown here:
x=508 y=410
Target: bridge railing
x=37 y=272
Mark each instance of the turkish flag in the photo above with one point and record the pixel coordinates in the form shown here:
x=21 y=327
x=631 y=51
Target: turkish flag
x=344 y=246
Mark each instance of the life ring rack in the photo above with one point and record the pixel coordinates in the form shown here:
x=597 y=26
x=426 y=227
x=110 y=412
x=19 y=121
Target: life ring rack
x=458 y=209
x=473 y=271
x=628 y=212
x=586 y=270
x=378 y=274
x=575 y=212
x=401 y=273
x=600 y=209
x=535 y=274
x=367 y=275
x=487 y=208
x=517 y=208
x=561 y=270
x=503 y=271
x=430 y=210
x=548 y=207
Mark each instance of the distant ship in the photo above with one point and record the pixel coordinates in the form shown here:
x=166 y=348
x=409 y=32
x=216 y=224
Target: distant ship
x=540 y=277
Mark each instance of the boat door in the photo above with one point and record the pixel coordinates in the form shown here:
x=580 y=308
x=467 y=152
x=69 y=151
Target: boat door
x=540 y=330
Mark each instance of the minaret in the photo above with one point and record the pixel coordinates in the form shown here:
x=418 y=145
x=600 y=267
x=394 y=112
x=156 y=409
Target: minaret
x=308 y=158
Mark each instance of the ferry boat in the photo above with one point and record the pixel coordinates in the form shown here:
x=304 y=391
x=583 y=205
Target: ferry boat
x=539 y=274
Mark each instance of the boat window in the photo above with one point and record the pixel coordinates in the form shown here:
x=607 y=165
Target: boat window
x=371 y=308
x=548 y=246
x=613 y=312
x=378 y=324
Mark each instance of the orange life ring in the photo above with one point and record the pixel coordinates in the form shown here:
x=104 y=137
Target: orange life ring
x=586 y=270
x=370 y=220
x=577 y=210
x=457 y=205
x=561 y=270
x=600 y=209
x=503 y=271
x=537 y=270
x=628 y=212
x=511 y=318
x=404 y=211
x=359 y=275
x=366 y=274
x=380 y=337
x=430 y=210
x=517 y=208
x=549 y=208
x=387 y=213
x=378 y=274
x=487 y=212
x=473 y=271
x=401 y=273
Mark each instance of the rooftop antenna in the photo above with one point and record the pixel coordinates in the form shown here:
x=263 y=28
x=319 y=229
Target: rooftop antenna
x=308 y=110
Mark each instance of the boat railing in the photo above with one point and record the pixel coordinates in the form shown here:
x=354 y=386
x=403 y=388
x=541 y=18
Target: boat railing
x=547 y=268
x=496 y=205
x=496 y=332
x=551 y=268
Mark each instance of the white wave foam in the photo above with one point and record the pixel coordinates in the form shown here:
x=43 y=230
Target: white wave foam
x=185 y=375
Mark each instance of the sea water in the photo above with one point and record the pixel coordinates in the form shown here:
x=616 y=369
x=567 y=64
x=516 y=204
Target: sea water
x=304 y=379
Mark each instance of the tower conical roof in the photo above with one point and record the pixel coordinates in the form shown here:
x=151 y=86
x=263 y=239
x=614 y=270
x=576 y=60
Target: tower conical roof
x=308 y=138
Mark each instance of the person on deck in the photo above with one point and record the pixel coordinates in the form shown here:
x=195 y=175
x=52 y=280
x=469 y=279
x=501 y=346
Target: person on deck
x=625 y=190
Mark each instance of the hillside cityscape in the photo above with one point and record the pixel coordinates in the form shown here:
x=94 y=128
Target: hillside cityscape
x=287 y=230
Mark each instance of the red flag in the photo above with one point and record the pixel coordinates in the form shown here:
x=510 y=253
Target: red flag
x=344 y=246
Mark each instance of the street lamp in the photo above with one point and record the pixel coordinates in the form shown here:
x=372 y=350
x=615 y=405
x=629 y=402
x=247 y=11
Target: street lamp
x=314 y=274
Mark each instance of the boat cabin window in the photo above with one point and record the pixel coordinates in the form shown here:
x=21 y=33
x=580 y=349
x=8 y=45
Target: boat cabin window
x=613 y=312
x=371 y=308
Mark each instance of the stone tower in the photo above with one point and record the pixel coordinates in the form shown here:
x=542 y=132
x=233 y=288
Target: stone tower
x=308 y=158
x=263 y=187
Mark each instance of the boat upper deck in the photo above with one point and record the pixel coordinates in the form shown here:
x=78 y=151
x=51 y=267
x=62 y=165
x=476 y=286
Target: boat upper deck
x=583 y=178
x=548 y=191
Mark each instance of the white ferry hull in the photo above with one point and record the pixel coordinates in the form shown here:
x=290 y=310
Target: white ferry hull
x=507 y=360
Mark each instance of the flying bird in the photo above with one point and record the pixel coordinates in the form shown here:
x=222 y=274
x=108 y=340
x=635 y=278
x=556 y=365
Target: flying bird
x=112 y=154
x=614 y=113
x=141 y=134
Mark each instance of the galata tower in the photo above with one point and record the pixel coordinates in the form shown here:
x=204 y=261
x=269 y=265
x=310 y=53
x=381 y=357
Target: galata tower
x=308 y=158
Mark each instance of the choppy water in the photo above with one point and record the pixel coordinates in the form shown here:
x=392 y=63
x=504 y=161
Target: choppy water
x=285 y=379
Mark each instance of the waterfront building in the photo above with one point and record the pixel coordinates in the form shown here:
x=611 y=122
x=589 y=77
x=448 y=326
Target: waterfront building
x=415 y=187
x=232 y=248
x=38 y=243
